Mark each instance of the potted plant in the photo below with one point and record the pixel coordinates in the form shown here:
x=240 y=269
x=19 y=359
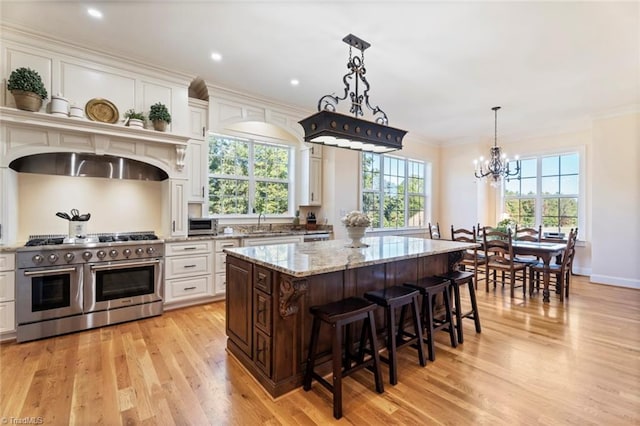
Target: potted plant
x=27 y=88
x=134 y=119
x=159 y=116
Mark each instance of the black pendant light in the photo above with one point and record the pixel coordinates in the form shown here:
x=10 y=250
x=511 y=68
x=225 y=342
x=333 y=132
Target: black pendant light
x=497 y=166
x=327 y=127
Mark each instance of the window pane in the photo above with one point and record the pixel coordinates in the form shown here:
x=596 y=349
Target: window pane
x=271 y=197
x=416 y=210
x=528 y=186
x=228 y=196
x=569 y=164
x=528 y=168
x=550 y=166
x=229 y=157
x=512 y=187
x=393 y=211
x=527 y=212
x=512 y=208
x=569 y=185
x=270 y=161
x=568 y=207
x=550 y=185
x=371 y=206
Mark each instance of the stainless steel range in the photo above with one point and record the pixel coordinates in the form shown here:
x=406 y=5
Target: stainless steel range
x=66 y=285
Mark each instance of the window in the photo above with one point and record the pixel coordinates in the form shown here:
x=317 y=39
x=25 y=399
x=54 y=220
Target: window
x=393 y=191
x=546 y=192
x=248 y=176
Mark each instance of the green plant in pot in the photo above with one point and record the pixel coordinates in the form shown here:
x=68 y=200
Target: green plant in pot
x=27 y=88
x=134 y=119
x=159 y=116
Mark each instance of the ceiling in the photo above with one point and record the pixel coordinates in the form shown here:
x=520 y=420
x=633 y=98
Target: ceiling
x=435 y=68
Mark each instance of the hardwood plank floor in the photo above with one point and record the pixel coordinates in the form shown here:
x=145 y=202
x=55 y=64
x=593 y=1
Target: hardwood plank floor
x=533 y=363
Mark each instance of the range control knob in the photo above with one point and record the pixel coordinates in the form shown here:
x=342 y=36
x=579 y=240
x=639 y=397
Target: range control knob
x=87 y=255
x=53 y=258
x=113 y=253
x=139 y=251
x=126 y=252
x=101 y=254
x=37 y=259
x=69 y=257
x=150 y=250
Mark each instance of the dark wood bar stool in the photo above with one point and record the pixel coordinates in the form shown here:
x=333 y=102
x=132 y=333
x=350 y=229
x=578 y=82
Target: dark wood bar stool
x=457 y=279
x=341 y=314
x=430 y=287
x=390 y=299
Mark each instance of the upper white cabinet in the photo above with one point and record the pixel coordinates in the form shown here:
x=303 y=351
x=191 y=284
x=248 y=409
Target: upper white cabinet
x=311 y=163
x=175 y=207
x=197 y=151
x=315 y=151
x=198 y=114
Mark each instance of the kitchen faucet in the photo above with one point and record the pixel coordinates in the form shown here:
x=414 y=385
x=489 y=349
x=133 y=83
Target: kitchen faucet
x=263 y=216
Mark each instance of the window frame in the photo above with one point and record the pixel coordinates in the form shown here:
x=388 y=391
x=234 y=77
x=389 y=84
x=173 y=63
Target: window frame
x=251 y=178
x=539 y=197
x=427 y=190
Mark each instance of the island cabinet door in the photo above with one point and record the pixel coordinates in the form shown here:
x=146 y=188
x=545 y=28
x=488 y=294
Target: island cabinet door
x=239 y=301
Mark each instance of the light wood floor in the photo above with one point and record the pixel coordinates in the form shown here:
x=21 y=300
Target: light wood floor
x=533 y=363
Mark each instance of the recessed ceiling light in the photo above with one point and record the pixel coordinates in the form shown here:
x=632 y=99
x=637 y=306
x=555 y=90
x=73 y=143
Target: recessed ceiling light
x=295 y=82
x=94 y=13
x=216 y=56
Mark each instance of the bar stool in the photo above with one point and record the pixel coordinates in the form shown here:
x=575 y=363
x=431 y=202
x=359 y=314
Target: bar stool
x=341 y=314
x=390 y=299
x=457 y=279
x=430 y=287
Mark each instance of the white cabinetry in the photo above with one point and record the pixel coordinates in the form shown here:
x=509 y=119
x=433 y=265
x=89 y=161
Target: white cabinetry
x=197 y=150
x=267 y=241
x=7 y=294
x=8 y=203
x=178 y=205
x=188 y=271
x=197 y=162
x=311 y=163
x=220 y=277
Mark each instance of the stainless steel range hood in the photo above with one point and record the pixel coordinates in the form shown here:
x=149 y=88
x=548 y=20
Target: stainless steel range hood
x=88 y=165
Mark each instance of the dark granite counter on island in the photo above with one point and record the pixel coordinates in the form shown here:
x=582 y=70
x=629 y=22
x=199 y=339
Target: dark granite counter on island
x=270 y=290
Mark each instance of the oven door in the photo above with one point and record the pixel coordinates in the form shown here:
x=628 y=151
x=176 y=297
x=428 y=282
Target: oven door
x=48 y=293
x=110 y=285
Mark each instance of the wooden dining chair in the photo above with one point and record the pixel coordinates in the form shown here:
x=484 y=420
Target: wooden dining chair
x=434 y=231
x=498 y=250
x=527 y=234
x=472 y=259
x=560 y=274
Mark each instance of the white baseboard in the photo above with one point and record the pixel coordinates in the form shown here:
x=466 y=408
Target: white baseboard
x=617 y=281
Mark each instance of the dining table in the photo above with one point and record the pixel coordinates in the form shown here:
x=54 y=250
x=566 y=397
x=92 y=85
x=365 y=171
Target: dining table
x=543 y=250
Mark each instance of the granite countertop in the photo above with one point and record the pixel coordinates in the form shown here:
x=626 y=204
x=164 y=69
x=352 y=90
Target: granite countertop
x=300 y=260
x=240 y=234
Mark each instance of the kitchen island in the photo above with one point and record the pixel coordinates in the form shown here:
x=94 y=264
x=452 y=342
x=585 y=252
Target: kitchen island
x=270 y=289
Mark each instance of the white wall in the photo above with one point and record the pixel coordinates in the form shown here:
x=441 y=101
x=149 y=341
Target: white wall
x=115 y=205
x=616 y=200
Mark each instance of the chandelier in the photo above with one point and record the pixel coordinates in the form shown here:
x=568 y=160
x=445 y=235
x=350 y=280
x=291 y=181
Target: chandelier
x=327 y=127
x=497 y=166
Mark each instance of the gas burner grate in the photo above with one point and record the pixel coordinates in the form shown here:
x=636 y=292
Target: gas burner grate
x=55 y=239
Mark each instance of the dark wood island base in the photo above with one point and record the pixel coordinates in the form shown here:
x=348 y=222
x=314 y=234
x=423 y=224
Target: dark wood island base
x=267 y=310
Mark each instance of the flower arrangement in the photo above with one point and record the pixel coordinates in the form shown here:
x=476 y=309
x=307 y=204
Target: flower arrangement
x=356 y=218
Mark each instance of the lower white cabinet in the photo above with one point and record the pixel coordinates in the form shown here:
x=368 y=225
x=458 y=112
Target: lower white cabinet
x=220 y=276
x=7 y=293
x=188 y=271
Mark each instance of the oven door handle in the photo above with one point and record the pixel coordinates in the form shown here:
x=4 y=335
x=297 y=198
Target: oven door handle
x=50 y=272
x=124 y=265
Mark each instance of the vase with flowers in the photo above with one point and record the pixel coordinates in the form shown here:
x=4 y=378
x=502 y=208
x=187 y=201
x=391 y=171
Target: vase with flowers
x=356 y=223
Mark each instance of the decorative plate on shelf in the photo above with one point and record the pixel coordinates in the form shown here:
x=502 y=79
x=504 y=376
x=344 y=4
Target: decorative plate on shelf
x=102 y=110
